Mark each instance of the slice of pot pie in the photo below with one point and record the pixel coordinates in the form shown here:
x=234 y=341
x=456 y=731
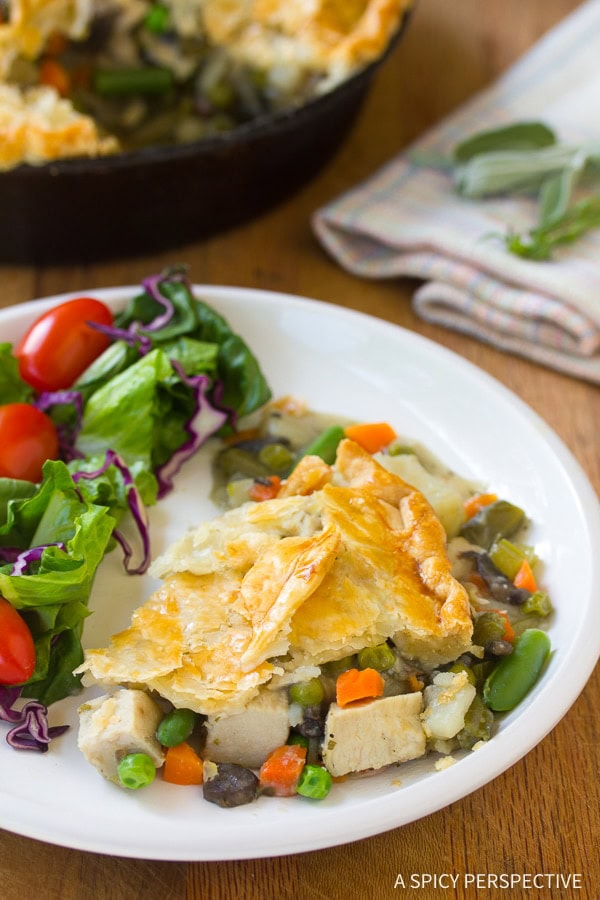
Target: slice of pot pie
x=272 y=587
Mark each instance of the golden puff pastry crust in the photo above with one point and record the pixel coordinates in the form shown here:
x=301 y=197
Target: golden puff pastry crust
x=295 y=581
x=33 y=21
x=332 y=38
x=37 y=126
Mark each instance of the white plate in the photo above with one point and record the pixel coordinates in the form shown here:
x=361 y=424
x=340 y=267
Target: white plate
x=361 y=367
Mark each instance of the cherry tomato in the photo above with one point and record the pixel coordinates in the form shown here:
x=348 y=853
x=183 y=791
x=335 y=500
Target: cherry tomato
x=17 y=650
x=27 y=439
x=60 y=345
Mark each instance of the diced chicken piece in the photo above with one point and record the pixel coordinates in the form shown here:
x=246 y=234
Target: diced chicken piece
x=446 y=703
x=110 y=727
x=373 y=735
x=246 y=738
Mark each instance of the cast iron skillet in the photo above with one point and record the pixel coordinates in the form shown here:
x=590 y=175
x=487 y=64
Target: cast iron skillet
x=150 y=200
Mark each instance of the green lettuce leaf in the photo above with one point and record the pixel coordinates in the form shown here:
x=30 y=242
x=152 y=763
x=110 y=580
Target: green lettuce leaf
x=244 y=385
x=52 y=594
x=12 y=387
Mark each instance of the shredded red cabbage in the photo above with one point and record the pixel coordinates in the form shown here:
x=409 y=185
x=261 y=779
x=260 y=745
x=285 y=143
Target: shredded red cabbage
x=205 y=421
x=9 y=554
x=34 y=554
x=67 y=434
x=30 y=730
x=136 y=505
x=130 y=335
x=152 y=286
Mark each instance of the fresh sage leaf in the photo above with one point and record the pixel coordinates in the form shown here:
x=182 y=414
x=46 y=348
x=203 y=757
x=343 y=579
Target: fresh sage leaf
x=519 y=136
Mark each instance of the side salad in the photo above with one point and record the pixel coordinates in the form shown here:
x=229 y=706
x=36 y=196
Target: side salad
x=97 y=415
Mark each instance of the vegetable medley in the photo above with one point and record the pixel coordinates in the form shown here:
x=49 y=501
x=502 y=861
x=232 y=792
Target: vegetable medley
x=177 y=364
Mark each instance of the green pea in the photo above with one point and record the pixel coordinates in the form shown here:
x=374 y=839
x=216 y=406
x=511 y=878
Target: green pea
x=157 y=19
x=335 y=667
x=380 y=657
x=276 y=456
x=326 y=444
x=136 y=770
x=314 y=782
x=307 y=693
x=299 y=740
x=458 y=667
x=176 y=727
x=516 y=674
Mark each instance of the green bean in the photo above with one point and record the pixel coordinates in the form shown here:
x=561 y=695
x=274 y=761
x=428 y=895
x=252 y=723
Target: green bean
x=508 y=557
x=299 y=739
x=236 y=461
x=489 y=626
x=136 y=770
x=516 y=674
x=401 y=450
x=380 y=657
x=539 y=604
x=123 y=82
x=314 y=782
x=493 y=522
x=478 y=724
x=326 y=444
x=176 y=727
x=307 y=693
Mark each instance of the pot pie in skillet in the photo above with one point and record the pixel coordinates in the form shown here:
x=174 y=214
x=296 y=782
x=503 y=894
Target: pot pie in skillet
x=346 y=556
x=93 y=77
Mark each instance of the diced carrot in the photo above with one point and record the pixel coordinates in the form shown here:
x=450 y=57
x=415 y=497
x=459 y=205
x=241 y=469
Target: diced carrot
x=183 y=765
x=371 y=436
x=281 y=770
x=53 y=74
x=358 y=684
x=247 y=434
x=264 y=489
x=525 y=578
x=477 y=502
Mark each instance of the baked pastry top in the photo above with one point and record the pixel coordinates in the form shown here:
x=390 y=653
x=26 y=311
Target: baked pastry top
x=345 y=557
x=297 y=49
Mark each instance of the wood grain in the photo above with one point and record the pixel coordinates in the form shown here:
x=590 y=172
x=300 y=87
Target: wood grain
x=542 y=815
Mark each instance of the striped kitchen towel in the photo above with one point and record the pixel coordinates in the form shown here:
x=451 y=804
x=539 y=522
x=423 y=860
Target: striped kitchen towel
x=408 y=220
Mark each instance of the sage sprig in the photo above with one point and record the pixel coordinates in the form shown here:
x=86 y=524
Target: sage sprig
x=526 y=157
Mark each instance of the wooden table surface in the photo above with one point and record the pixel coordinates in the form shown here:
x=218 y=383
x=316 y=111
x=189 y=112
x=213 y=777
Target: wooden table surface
x=541 y=816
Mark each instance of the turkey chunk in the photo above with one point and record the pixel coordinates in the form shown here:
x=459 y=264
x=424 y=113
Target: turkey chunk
x=110 y=727
x=373 y=735
x=247 y=738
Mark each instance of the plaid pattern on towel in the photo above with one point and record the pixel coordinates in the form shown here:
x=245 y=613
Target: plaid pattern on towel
x=407 y=219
